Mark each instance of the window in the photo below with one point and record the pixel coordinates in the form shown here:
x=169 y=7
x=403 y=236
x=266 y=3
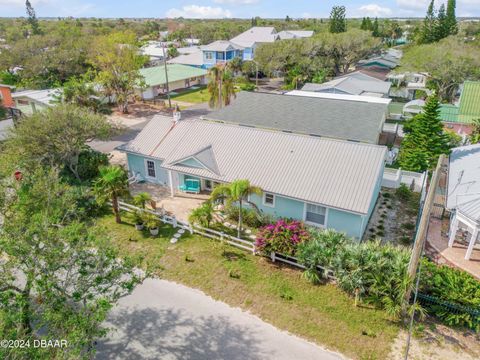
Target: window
x=151 y=169
x=315 y=214
x=208 y=185
x=269 y=199
x=208 y=55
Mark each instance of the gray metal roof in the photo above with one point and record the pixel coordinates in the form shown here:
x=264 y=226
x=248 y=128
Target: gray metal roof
x=294 y=34
x=222 y=45
x=463 y=192
x=340 y=119
x=334 y=173
x=256 y=34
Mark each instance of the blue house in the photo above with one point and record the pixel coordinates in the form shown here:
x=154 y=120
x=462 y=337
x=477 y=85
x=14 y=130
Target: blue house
x=254 y=36
x=220 y=51
x=325 y=182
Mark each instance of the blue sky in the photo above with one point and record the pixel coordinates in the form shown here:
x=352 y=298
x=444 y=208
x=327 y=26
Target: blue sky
x=227 y=8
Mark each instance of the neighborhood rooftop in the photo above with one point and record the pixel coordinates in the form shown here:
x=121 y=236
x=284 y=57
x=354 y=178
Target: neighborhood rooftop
x=222 y=45
x=337 y=174
x=342 y=119
x=176 y=72
x=469 y=109
x=256 y=34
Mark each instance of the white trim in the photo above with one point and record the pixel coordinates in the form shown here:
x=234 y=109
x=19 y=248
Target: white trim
x=264 y=202
x=146 y=168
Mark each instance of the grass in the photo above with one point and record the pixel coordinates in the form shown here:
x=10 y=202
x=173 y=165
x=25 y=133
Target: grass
x=396 y=107
x=277 y=294
x=195 y=96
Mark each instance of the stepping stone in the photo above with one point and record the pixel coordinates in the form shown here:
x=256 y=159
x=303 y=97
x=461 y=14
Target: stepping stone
x=248 y=231
x=177 y=235
x=252 y=237
x=227 y=224
x=173 y=240
x=233 y=226
x=181 y=231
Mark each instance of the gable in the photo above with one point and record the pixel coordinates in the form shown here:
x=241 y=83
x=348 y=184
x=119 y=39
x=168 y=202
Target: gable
x=203 y=159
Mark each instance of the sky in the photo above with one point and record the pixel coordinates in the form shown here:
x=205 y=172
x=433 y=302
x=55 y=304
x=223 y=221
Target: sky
x=228 y=8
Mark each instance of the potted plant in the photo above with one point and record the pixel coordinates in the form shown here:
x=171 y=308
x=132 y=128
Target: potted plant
x=152 y=223
x=138 y=219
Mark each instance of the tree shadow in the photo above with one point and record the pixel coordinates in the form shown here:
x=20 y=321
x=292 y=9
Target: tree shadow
x=174 y=334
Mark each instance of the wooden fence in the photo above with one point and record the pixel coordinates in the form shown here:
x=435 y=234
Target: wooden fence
x=243 y=244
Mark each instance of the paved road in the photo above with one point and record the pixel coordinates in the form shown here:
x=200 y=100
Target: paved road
x=165 y=320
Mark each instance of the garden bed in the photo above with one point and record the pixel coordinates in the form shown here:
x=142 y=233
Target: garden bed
x=394 y=217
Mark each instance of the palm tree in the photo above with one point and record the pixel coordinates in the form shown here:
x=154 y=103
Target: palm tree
x=236 y=192
x=220 y=87
x=141 y=199
x=111 y=184
x=202 y=215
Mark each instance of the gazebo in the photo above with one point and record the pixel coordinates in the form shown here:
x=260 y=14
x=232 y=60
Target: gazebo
x=463 y=195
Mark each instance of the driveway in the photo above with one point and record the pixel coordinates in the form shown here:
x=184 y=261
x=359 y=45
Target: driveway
x=165 y=320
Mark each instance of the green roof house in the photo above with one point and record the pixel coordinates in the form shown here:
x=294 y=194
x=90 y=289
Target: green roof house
x=469 y=108
x=179 y=77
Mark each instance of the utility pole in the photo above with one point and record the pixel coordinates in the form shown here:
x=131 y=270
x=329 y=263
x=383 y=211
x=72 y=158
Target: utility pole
x=166 y=76
x=421 y=235
x=220 y=79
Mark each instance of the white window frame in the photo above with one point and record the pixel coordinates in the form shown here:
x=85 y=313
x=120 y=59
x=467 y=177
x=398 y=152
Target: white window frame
x=264 y=198
x=154 y=169
x=208 y=55
x=324 y=225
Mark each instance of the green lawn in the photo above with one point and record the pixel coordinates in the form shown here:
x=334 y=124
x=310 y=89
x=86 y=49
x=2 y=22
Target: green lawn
x=396 y=107
x=278 y=294
x=193 y=96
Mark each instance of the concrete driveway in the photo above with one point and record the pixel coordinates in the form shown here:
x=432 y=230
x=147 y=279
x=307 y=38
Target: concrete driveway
x=165 y=320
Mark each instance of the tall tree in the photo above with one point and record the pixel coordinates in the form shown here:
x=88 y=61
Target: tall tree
x=338 y=23
x=220 y=87
x=429 y=28
x=236 y=193
x=56 y=136
x=117 y=58
x=32 y=19
x=451 y=19
x=111 y=185
x=376 y=29
x=58 y=279
x=425 y=139
x=442 y=28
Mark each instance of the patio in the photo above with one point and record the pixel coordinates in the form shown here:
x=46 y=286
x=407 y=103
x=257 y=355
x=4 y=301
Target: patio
x=437 y=238
x=180 y=205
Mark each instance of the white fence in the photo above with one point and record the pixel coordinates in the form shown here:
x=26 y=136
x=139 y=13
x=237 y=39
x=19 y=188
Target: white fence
x=243 y=244
x=392 y=178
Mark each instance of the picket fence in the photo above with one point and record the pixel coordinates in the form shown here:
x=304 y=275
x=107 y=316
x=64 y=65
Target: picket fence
x=243 y=244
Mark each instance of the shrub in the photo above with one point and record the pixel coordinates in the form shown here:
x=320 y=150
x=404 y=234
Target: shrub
x=282 y=237
x=453 y=286
x=403 y=193
x=320 y=251
x=250 y=217
x=89 y=161
x=202 y=215
x=408 y=226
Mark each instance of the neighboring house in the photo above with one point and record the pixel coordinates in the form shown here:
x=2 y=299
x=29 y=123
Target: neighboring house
x=463 y=195
x=378 y=61
x=155 y=51
x=356 y=119
x=355 y=83
x=294 y=34
x=30 y=101
x=325 y=182
x=250 y=39
x=6 y=95
x=179 y=77
x=193 y=59
x=406 y=85
x=220 y=52
x=188 y=50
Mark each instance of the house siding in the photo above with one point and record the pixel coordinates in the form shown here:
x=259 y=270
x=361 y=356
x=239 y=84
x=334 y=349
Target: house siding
x=349 y=223
x=136 y=164
x=284 y=207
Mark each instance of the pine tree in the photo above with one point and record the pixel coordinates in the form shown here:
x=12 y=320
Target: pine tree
x=32 y=19
x=375 y=28
x=451 y=20
x=428 y=32
x=425 y=139
x=338 y=23
x=442 y=29
x=363 y=25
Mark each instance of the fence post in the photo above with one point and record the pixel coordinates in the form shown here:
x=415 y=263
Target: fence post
x=272 y=256
x=174 y=221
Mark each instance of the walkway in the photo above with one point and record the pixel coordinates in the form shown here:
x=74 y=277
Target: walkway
x=438 y=240
x=165 y=320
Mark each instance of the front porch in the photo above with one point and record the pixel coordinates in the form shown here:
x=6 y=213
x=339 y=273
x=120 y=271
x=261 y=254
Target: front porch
x=179 y=205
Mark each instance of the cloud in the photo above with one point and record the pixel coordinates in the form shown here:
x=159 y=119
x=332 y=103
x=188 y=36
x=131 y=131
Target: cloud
x=419 y=7
x=21 y=3
x=373 y=10
x=199 y=12
x=236 y=2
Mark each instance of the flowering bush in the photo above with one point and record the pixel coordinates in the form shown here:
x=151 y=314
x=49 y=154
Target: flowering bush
x=281 y=237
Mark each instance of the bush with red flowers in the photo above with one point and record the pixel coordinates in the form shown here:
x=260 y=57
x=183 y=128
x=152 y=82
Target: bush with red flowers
x=281 y=237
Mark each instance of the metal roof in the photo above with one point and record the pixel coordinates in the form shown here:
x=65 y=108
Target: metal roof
x=256 y=34
x=294 y=34
x=156 y=75
x=354 y=83
x=469 y=109
x=449 y=113
x=193 y=59
x=334 y=173
x=45 y=97
x=344 y=97
x=222 y=45
x=340 y=119
x=463 y=192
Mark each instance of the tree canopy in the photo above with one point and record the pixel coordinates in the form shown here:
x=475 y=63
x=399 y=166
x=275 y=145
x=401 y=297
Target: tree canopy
x=338 y=22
